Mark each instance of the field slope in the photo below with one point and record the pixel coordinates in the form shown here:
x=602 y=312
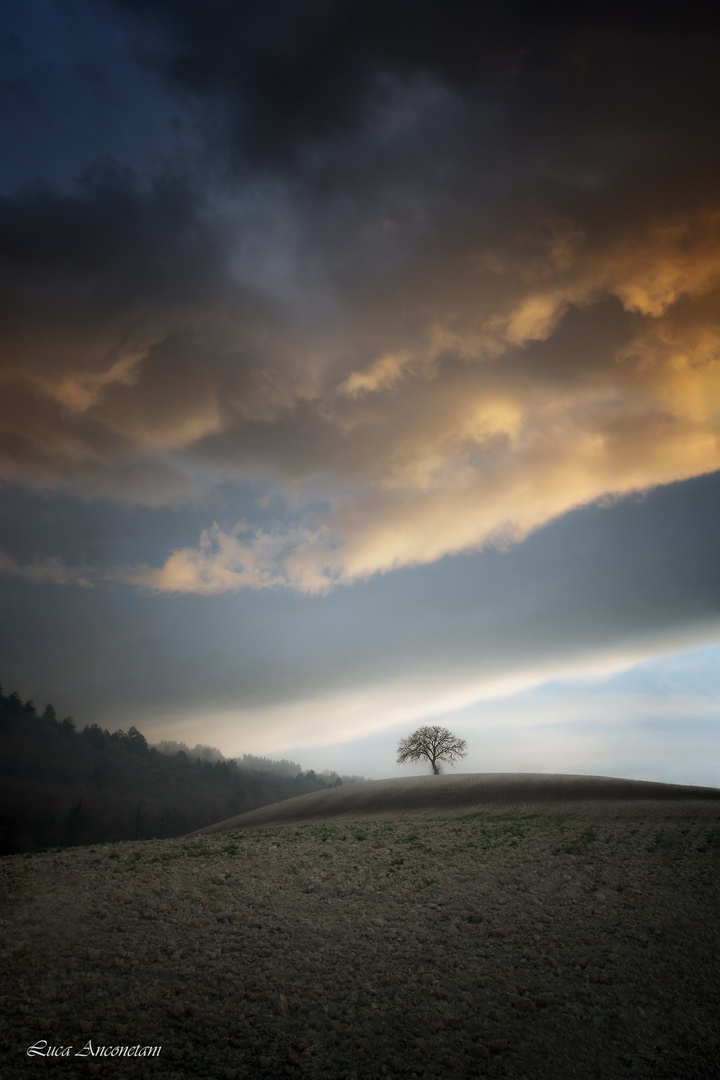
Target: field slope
x=448 y=794
x=479 y=927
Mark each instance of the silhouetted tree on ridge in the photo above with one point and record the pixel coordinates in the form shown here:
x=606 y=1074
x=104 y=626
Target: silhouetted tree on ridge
x=437 y=744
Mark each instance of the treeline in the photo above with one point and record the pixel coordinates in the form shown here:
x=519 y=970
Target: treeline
x=60 y=785
x=250 y=762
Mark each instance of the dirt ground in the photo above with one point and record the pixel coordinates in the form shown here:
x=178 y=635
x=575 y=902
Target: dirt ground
x=523 y=938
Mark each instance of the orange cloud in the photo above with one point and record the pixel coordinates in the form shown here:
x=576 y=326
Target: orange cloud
x=79 y=391
x=470 y=420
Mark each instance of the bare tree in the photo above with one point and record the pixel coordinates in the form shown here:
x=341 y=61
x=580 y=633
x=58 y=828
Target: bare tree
x=437 y=744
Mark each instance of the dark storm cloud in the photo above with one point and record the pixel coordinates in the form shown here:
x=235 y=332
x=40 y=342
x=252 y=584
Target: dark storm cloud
x=450 y=273
x=111 y=244
x=286 y=74
x=119 y=283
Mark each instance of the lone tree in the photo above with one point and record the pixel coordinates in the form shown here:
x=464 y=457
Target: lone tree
x=437 y=744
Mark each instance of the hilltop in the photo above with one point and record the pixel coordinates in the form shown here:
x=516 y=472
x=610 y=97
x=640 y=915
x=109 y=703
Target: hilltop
x=448 y=794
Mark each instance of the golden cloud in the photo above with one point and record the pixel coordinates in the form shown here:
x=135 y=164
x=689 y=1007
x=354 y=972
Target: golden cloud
x=477 y=420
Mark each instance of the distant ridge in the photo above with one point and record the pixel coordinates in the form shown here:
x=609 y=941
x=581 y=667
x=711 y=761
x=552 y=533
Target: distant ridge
x=467 y=791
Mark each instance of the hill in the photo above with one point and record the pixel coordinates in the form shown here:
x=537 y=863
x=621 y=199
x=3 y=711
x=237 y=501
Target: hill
x=446 y=794
x=552 y=939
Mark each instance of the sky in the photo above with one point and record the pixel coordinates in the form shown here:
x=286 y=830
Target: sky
x=360 y=369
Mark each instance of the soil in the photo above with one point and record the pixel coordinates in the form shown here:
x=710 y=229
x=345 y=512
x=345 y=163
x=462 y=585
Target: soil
x=543 y=940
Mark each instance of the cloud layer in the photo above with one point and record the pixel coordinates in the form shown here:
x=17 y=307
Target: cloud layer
x=591 y=372
x=426 y=281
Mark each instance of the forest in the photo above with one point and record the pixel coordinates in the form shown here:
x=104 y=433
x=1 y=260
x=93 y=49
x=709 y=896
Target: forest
x=63 y=786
